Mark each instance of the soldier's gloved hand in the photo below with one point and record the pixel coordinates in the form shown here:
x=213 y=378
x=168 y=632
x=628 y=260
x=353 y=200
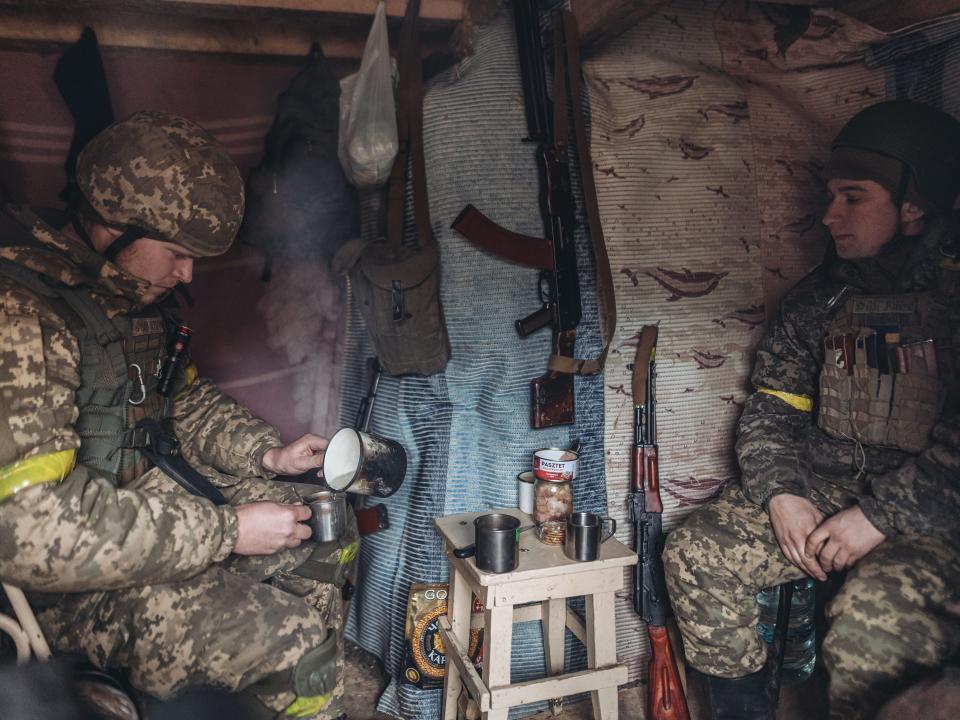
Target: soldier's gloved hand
x=264 y=528
x=301 y=455
x=793 y=518
x=843 y=539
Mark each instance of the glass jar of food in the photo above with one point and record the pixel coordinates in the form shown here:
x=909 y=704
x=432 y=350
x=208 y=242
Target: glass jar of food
x=552 y=505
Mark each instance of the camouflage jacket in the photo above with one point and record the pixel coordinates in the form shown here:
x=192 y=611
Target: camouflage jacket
x=85 y=532
x=780 y=447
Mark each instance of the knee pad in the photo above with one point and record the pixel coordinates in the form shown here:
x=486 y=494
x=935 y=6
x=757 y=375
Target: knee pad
x=314 y=675
x=316 y=672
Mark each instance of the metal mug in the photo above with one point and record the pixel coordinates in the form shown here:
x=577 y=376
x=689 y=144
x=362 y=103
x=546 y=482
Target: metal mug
x=496 y=543
x=585 y=535
x=363 y=463
x=328 y=515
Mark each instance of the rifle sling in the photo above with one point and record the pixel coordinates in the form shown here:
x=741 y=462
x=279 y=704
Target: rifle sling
x=410 y=136
x=567 y=49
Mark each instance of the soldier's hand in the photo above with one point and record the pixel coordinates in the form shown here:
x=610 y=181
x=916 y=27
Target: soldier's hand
x=843 y=539
x=793 y=518
x=301 y=455
x=264 y=528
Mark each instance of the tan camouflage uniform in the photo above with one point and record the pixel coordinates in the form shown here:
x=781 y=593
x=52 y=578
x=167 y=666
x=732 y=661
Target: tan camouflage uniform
x=887 y=621
x=140 y=576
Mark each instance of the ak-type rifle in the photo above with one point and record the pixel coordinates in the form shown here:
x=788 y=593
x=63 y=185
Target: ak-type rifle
x=555 y=254
x=666 y=700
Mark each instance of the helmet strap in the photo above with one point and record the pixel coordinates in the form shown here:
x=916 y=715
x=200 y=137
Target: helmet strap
x=125 y=239
x=181 y=290
x=81 y=230
x=901 y=193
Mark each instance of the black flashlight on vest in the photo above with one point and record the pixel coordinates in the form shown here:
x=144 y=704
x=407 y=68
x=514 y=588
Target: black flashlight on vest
x=175 y=359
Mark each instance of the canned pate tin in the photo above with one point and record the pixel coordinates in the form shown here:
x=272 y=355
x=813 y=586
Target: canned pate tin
x=555 y=464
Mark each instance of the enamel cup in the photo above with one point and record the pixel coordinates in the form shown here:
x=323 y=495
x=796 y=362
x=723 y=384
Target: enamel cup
x=363 y=463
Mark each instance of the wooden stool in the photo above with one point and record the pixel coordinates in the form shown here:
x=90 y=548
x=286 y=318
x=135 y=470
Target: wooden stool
x=542 y=582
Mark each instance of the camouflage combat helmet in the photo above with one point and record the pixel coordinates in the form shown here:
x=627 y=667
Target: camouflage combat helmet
x=911 y=149
x=162 y=176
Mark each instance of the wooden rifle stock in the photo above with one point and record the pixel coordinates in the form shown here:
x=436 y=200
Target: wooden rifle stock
x=665 y=699
x=552 y=394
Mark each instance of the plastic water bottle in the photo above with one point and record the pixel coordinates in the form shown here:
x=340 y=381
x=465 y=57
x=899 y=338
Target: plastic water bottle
x=800 y=654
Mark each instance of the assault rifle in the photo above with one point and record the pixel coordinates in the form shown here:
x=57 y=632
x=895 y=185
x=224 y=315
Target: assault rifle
x=666 y=700
x=555 y=256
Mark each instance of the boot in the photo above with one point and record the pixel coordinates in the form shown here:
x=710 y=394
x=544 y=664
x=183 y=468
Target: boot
x=744 y=698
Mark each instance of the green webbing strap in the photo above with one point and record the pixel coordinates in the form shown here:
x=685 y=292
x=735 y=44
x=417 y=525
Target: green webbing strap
x=334 y=573
x=107 y=337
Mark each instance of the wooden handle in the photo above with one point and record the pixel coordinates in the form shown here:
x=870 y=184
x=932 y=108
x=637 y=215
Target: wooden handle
x=665 y=700
x=641 y=363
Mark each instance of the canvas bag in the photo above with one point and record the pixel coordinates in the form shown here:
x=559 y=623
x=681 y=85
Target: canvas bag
x=396 y=286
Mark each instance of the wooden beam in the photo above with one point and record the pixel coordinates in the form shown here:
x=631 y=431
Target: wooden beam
x=429 y=9
x=245 y=27
x=601 y=21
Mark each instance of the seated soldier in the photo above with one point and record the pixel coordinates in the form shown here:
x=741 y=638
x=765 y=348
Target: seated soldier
x=124 y=565
x=849 y=448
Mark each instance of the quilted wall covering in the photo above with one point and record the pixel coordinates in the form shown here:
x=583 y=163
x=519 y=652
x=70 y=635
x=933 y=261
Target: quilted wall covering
x=711 y=123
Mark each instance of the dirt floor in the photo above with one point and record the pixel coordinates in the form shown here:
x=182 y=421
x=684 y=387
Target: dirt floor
x=366 y=680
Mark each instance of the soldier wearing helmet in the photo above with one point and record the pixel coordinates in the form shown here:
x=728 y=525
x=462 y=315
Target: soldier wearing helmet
x=849 y=448
x=130 y=568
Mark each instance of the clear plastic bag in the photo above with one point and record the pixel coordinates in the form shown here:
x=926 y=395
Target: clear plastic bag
x=368 y=121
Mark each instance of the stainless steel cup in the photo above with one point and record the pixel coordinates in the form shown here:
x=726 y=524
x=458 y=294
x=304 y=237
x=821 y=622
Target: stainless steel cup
x=328 y=515
x=585 y=535
x=498 y=546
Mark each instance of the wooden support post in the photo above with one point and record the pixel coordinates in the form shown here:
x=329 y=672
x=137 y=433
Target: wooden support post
x=459 y=605
x=602 y=650
x=498 y=644
x=554 y=625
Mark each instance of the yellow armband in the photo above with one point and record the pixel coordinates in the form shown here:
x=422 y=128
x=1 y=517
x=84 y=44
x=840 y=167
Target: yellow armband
x=52 y=467
x=802 y=403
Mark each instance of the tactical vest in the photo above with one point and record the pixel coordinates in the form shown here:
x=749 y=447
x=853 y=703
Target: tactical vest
x=120 y=360
x=889 y=366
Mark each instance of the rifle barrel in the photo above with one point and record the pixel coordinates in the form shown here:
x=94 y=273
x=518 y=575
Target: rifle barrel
x=535 y=98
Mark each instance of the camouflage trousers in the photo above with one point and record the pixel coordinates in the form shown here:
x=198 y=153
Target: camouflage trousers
x=230 y=626
x=886 y=623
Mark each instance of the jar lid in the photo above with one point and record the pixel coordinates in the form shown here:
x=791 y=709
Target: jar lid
x=555 y=464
